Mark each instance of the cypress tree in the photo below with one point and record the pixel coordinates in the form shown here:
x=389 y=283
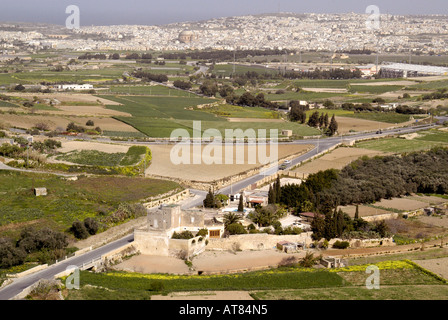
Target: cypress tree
x=333 y=127
x=357 y=212
x=278 y=190
x=241 y=204
x=271 y=197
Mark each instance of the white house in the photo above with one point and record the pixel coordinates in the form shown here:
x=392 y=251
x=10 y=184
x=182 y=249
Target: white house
x=74 y=87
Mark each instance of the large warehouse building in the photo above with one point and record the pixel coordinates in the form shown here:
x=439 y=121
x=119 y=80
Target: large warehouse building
x=403 y=70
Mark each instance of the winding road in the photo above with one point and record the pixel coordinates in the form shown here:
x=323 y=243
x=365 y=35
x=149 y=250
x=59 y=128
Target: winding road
x=321 y=145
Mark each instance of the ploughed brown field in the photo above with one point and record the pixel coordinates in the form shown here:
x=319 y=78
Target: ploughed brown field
x=162 y=164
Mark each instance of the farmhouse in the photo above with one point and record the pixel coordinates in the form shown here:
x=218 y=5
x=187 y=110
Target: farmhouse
x=309 y=216
x=156 y=237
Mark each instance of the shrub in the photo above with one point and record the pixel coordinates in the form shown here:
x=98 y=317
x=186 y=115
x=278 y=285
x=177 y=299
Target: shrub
x=341 y=244
x=236 y=228
x=202 y=233
x=32 y=240
x=79 y=230
x=183 y=235
x=10 y=255
x=157 y=285
x=91 y=225
x=90 y=123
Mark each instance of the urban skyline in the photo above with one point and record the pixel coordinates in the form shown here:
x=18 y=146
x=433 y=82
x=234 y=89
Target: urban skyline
x=139 y=12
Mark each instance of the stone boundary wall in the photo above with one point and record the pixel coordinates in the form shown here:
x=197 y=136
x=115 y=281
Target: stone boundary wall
x=168 y=200
x=28 y=272
x=257 y=241
x=365 y=243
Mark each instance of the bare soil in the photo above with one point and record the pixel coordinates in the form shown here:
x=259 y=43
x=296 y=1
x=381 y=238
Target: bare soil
x=438 y=266
x=346 y=124
x=68 y=146
x=162 y=165
x=206 y=295
x=402 y=204
x=336 y=159
x=364 y=211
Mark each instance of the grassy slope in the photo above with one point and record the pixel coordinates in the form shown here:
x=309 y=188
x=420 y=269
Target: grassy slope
x=68 y=200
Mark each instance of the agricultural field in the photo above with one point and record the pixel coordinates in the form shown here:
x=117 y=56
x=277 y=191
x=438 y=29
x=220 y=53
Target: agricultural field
x=149 y=90
x=423 y=141
x=399 y=280
x=67 y=200
x=336 y=159
x=98 y=158
x=162 y=164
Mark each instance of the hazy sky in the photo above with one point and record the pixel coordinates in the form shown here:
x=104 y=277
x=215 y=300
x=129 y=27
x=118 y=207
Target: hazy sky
x=150 y=12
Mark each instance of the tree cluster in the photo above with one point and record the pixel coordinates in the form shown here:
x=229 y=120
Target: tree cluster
x=247 y=99
x=45 y=242
x=147 y=76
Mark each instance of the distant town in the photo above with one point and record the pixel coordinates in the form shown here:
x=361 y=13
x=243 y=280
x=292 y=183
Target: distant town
x=302 y=32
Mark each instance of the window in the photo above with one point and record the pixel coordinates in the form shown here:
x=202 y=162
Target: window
x=215 y=234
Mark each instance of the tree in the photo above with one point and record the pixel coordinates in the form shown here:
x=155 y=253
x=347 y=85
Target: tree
x=90 y=123
x=79 y=230
x=209 y=201
x=19 y=88
x=326 y=120
x=313 y=121
x=318 y=227
x=91 y=225
x=357 y=212
x=209 y=88
x=271 y=195
x=241 y=203
x=10 y=255
x=236 y=228
x=231 y=218
x=278 y=189
x=333 y=127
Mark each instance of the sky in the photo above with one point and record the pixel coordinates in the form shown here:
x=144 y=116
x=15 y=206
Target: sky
x=150 y=12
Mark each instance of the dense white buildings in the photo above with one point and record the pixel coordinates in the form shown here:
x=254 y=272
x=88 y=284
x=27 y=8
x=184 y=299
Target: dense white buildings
x=329 y=32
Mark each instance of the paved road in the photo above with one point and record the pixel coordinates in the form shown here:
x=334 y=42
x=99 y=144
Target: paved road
x=321 y=145
x=20 y=284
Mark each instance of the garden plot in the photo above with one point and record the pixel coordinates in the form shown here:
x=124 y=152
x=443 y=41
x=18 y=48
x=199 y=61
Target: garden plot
x=162 y=165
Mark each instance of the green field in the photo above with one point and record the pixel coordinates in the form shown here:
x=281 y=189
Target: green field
x=373 y=89
x=67 y=200
x=226 y=70
x=398 y=280
x=307 y=96
x=161 y=107
x=230 y=111
x=428 y=140
x=150 y=90
x=97 y=158
x=388 y=117
x=298 y=129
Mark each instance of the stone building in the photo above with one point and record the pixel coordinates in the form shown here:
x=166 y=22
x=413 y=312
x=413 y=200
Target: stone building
x=188 y=36
x=156 y=237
